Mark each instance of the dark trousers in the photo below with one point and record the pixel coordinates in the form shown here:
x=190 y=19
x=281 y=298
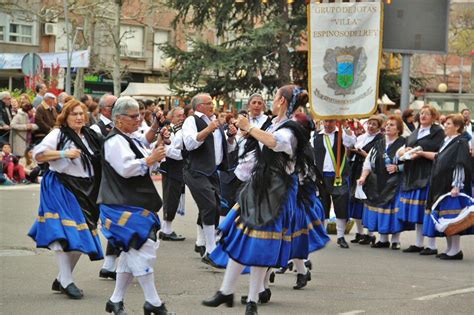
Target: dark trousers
x=34 y=174
x=339 y=196
x=230 y=194
x=172 y=190
x=206 y=193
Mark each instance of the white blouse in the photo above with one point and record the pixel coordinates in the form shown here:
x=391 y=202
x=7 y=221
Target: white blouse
x=73 y=167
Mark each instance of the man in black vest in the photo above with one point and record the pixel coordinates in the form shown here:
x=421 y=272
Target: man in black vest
x=206 y=142
x=105 y=124
x=172 y=176
x=325 y=150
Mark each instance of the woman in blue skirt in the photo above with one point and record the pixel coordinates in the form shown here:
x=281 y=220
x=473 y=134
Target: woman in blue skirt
x=416 y=177
x=129 y=204
x=265 y=231
x=380 y=178
x=451 y=173
x=68 y=214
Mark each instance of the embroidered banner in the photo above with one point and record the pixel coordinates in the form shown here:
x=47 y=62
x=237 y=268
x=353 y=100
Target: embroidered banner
x=343 y=59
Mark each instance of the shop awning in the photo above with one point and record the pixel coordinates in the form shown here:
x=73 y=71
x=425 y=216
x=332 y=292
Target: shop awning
x=142 y=90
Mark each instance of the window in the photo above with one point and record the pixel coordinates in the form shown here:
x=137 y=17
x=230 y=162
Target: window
x=160 y=37
x=18 y=29
x=131 y=44
x=21 y=33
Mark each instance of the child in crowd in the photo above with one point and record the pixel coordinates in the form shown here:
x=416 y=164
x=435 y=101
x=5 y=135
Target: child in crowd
x=14 y=171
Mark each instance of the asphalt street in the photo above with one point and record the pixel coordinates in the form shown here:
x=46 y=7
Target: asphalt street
x=359 y=280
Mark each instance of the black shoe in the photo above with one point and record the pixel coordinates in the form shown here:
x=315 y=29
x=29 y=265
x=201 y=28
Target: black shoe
x=412 y=249
x=367 y=240
x=272 y=277
x=428 y=251
x=302 y=280
x=380 y=244
x=308 y=264
x=396 y=246
x=282 y=270
x=458 y=256
x=104 y=273
x=342 y=242
x=263 y=297
x=149 y=309
x=439 y=255
x=201 y=250
x=251 y=309
x=171 y=237
x=72 y=291
x=219 y=299
x=358 y=238
x=208 y=261
x=116 y=308
x=56 y=286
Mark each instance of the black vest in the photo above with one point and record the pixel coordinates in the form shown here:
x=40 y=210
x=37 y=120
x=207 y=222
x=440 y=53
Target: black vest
x=104 y=129
x=203 y=159
x=320 y=153
x=138 y=191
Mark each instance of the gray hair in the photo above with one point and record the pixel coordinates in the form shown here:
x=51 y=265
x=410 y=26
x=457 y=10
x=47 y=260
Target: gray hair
x=254 y=96
x=4 y=94
x=123 y=105
x=175 y=109
x=62 y=96
x=103 y=100
x=197 y=99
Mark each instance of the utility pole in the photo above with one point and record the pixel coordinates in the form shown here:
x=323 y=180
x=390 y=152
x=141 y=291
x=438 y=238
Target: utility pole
x=116 y=37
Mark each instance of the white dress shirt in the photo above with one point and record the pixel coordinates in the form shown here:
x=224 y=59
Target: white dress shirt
x=190 y=137
x=423 y=132
x=73 y=167
x=173 y=150
x=347 y=141
x=106 y=122
x=246 y=164
x=121 y=157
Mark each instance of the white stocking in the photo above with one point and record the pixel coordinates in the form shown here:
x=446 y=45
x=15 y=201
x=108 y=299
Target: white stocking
x=257 y=276
x=210 y=237
x=455 y=245
x=340 y=227
x=384 y=238
x=147 y=282
x=432 y=242
x=300 y=266
x=360 y=227
x=419 y=235
x=124 y=279
x=200 y=240
x=231 y=275
x=396 y=238
x=65 y=270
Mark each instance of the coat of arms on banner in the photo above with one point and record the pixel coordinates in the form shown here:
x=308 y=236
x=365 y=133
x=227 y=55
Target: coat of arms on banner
x=345 y=69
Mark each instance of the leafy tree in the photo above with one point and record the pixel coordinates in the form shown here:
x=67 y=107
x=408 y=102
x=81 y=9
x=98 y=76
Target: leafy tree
x=257 y=50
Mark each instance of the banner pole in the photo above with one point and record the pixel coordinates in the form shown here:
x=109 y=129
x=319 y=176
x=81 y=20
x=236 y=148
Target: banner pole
x=338 y=178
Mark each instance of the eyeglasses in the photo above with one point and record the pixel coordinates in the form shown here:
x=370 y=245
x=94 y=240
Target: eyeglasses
x=134 y=116
x=208 y=103
x=256 y=102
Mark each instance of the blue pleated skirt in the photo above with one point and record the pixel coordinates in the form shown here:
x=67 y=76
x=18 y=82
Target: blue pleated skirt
x=294 y=234
x=127 y=226
x=356 y=209
x=412 y=205
x=60 y=218
x=383 y=219
x=448 y=208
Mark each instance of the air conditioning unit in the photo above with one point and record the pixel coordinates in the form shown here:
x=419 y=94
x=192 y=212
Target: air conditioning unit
x=51 y=29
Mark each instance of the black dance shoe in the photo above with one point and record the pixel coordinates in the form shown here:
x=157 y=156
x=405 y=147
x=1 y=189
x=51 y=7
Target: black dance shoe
x=171 y=237
x=341 y=241
x=428 y=251
x=56 y=286
x=263 y=297
x=251 y=309
x=149 y=309
x=219 y=299
x=367 y=240
x=358 y=238
x=104 y=273
x=72 y=291
x=282 y=270
x=308 y=264
x=396 y=246
x=201 y=250
x=116 y=308
x=272 y=277
x=458 y=256
x=302 y=280
x=208 y=261
x=380 y=244
x=412 y=249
